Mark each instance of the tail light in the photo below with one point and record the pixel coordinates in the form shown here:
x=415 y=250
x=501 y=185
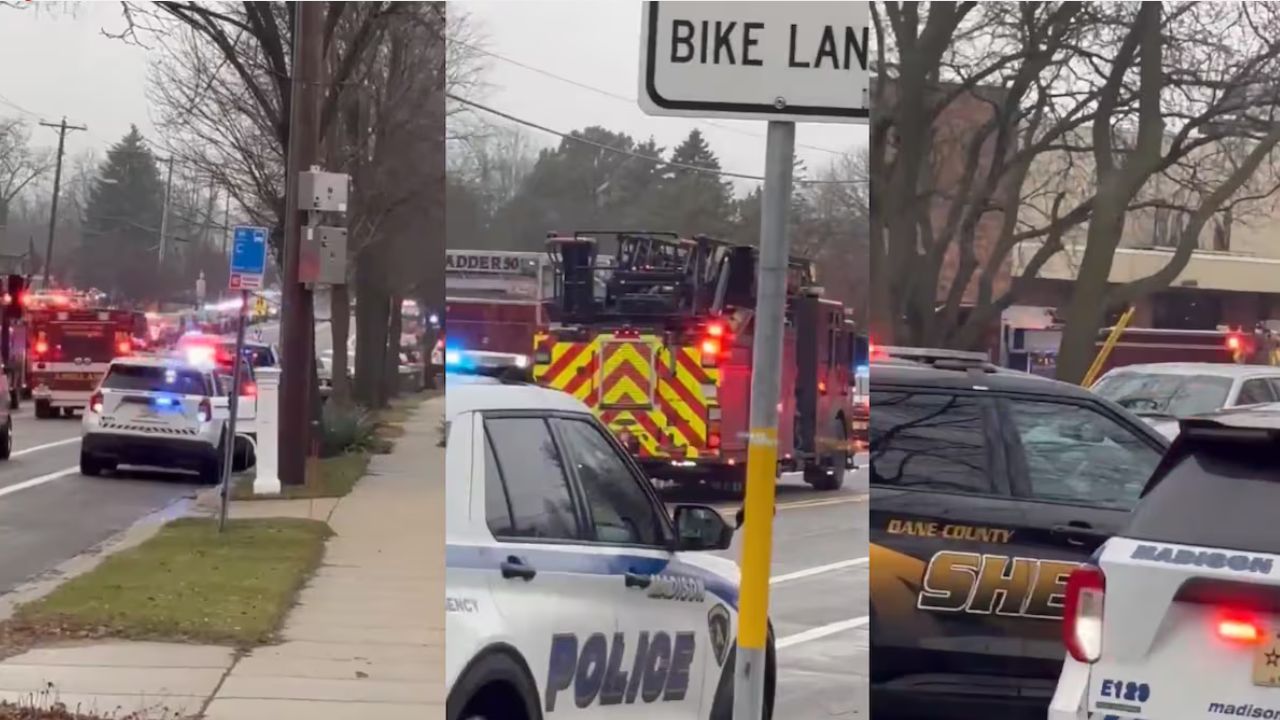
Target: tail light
x=822 y=387
x=95 y=403
x=250 y=390
x=1082 y=615
x=1239 y=629
x=710 y=351
x=1233 y=342
x=205 y=413
x=42 y=347
x=124 y=347
x=715 y=330
x=713 y=436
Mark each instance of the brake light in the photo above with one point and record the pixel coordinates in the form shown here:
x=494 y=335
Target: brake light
x=95 y=403
x=1239 y=629
x=1082 y=613
x=205 y=413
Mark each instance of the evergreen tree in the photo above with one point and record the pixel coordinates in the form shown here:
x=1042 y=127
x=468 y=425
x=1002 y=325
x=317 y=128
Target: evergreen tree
x=692 y=202
x=118 y=253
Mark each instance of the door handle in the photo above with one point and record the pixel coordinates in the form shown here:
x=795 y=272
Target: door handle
x=636 y=580
x=1077 y=532
x=514 y=567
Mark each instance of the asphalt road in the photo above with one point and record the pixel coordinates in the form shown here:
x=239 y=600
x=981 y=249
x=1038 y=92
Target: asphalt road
x=818 y=599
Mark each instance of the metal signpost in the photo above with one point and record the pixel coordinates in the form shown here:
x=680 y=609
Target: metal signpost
x=782 y=62
x=248 y=268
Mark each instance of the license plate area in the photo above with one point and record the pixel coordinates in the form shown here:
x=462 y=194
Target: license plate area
x=1266 y=662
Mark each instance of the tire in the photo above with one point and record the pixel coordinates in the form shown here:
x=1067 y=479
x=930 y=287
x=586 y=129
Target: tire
x=15 y=400
x=90 y=465
x=43 y=410
x=211 y=472
x=68 y=412
x=6 y=440
x=473 y=697
x=731 y=481
x=817 y=477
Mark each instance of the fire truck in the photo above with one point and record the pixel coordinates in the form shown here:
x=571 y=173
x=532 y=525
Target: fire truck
x=659 y=343
x=69 y=344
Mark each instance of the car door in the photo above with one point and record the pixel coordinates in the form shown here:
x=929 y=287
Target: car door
x=1079 y=468
x=557 y=598
x=661 y=653
x=941 y=522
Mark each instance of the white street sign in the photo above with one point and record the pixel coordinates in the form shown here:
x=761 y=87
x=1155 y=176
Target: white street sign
x=796 y=61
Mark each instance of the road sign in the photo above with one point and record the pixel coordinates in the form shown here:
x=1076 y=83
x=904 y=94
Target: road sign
x=248 y=257
x=799 y=61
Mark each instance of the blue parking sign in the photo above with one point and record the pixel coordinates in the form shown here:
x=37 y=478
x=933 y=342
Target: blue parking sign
x=248 y=257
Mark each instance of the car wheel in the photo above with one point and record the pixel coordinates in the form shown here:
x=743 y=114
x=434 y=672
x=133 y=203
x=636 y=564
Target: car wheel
x=90 y=465
x=6 y=442
x=211 y=472
x=494 y=687
x=831 y=476
x=15 y=400
x=43 y=410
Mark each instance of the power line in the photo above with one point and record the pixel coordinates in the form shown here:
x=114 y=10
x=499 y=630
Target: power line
x=619 y=151
x=618 y=96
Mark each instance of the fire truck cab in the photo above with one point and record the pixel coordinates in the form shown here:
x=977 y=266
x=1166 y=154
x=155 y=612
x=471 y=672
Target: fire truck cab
x=661 y=350
x=69 y=348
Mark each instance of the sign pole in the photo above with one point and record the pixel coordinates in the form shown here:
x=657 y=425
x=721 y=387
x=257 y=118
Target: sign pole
x=234 y=405
x=762 y=445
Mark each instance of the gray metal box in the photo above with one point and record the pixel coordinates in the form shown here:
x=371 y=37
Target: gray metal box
x=322 y=191
x=324 y=256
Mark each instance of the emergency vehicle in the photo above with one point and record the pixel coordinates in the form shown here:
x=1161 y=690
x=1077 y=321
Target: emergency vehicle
x=663 y=354
x=70 y=346
x=570 y=590
x=493 y=300
x=1176 y=616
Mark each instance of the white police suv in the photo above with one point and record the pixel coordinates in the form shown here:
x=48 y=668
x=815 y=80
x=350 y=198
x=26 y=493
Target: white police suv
x=1179 y=616
x=570 y=590
x=156 y=412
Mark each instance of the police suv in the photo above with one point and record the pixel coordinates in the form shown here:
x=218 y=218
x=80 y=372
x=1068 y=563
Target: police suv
x=156 y=412
x=1179 y=615
x=570 y=590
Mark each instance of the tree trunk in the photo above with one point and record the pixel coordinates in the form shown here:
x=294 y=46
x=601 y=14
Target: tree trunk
x=1088 y=304
x=340 y=327
x=391 y=378
x=371 y=327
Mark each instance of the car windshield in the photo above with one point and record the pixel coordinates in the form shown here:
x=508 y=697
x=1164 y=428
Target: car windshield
x=1165 y=394
x=151 y=378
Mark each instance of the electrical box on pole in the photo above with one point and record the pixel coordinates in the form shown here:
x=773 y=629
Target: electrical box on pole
x=324 y=256
x=320 y=191
x=783 y=63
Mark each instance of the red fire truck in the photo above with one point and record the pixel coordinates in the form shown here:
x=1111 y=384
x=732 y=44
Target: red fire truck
x=664 y=355
x=69 y=347
x=493 y=300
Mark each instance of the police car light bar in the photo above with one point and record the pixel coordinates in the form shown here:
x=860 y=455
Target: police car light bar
x=931 y=354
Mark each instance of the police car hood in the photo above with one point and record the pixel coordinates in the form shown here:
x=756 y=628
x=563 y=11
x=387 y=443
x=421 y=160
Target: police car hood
x=714 y=564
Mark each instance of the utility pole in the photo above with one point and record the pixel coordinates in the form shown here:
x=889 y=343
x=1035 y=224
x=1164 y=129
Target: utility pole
x=297 y=317
x=164 y=213
x=762 y=442
x=62 y=128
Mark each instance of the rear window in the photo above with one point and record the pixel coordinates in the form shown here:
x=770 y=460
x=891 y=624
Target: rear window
x=929 y=441
x=81 y=340
x=1220 y=495
x=1156 y=394
x=141 y=378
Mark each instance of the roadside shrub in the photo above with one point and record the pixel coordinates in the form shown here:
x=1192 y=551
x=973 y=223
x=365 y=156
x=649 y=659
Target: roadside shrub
x=346 y=429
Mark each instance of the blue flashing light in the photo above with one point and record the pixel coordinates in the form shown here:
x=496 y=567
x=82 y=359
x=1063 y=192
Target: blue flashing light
x=165 y=401
x=862 y=369
x=452 y=358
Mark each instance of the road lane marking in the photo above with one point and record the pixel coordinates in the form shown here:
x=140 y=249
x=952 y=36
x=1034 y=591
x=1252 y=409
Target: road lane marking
x=46 y=446
x=820 y=569
x=33 y=482
x=821 y=631
x=729 y=511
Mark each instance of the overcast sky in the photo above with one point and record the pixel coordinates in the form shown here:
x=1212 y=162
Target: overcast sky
x=59 y=63
x=553 y=36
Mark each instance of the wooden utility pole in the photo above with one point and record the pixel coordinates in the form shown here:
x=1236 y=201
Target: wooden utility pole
x=297 y=316
x=62 y=129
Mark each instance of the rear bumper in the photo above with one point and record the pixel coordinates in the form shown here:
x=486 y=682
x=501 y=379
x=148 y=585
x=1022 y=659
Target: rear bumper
x=1072 y=695
x=185 y=453
x=61 y=398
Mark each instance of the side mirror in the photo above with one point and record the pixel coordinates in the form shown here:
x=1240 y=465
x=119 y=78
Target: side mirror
x=699 y=527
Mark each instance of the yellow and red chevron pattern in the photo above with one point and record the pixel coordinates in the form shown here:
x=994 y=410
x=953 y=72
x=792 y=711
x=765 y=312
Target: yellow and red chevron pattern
x=662 y=397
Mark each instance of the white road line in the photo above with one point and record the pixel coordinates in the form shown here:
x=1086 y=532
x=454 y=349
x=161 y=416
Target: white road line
x=821 y=632
x=38 y=480
x=46 y=446
x=810 y=572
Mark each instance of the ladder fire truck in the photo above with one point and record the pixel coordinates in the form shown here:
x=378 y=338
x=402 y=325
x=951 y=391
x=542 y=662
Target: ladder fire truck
x=659 y=344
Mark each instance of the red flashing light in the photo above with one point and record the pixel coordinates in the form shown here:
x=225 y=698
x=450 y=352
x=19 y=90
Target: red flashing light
x=715 y=330
x=1233 y=342
x=1240 y=630
x=711 y=347
x=250 y=390
x=42 y=347
x=124 y=347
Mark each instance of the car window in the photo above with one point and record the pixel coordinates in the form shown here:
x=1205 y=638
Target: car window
x=930 y=441
x=1254 y=392
x=1076 y=454
x=529 y=462
x=1164 y=394
x=497 y=505
x=153 y=378
x=621 y=510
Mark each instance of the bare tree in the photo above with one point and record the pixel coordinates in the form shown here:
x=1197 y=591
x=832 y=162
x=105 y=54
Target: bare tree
x=1001 y=124
x=20 y=165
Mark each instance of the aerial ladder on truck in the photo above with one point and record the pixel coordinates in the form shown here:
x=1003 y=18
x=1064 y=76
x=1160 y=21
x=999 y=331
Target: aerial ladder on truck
x=661 y=350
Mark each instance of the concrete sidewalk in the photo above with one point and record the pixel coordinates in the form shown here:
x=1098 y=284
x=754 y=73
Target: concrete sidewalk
x=365 y=640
